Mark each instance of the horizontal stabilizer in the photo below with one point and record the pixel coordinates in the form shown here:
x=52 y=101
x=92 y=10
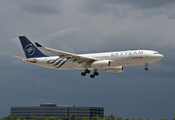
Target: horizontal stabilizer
x=19 y=57
x=26 y=60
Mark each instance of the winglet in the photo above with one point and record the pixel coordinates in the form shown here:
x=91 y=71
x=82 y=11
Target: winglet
x=38 y=45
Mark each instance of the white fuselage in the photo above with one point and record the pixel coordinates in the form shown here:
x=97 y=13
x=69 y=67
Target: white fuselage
x=121 y=58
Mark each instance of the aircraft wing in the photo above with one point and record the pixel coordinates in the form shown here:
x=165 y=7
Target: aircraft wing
x=69 y=56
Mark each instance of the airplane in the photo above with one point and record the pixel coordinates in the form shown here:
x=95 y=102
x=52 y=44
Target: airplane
x=110 y=61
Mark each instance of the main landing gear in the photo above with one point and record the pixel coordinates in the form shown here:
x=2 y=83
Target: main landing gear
x=146 y=66
x=85 y=71
x=95 y=74
x=88 y=71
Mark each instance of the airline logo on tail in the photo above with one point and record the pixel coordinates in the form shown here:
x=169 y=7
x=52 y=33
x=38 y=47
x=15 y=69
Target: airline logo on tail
x=29 y=49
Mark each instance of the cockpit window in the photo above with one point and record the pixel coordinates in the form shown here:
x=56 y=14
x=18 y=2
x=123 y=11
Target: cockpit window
x=156 y=53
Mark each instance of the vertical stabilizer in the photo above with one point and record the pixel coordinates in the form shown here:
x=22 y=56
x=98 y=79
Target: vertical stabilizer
x=30 y=50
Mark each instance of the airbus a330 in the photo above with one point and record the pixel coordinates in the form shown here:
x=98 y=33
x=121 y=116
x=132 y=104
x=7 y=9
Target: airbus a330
x=110 y=61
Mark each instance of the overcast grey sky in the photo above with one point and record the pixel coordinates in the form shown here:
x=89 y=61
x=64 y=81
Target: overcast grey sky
x=85 y=26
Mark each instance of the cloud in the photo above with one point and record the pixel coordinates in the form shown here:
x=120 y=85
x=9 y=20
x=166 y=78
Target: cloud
x=41 y=7
x=121 y=9
x=141 y=4
x=66 y=32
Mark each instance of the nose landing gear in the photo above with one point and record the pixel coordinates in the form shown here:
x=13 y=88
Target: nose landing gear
x=146 y=67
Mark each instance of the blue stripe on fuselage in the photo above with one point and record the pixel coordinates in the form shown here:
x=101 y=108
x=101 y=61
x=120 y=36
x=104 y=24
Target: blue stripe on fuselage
x=58 y=62
x=61 y=64
x=51 y=62
x=54 y=61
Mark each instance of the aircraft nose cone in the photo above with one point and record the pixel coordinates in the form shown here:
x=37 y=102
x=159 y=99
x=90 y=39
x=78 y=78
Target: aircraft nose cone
x=160 y=56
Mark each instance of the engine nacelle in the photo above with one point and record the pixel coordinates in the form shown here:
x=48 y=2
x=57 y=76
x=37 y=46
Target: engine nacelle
x=100 y=64
x=117 y=69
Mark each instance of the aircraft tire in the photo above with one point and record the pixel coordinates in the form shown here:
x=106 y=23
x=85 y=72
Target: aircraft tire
x=146 y=69
x=92 y=76
x=96 y=73
x=87 y=71
x=83 y=74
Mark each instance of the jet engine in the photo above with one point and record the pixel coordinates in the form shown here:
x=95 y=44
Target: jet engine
x=117 y=69
x=100 y=64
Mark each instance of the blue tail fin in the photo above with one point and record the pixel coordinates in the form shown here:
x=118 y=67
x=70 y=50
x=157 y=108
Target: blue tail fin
x=29 y=48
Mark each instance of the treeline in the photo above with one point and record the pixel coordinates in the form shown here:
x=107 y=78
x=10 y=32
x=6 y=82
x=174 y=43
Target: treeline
x=110 y=117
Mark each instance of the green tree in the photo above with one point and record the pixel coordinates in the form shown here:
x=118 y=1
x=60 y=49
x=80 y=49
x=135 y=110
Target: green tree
x=119 y=118
x=76 y=119
x=40 y=118
x=16 y=117
x=127 y=119
x=52 y=118
x=105 y=117
x=133 y=119
x=111 y=117
x=85 y=119
x=21 y=118
x=8 y=117
x=12 y=118
x=71 y=117
x=34 y=118
x=97 y=118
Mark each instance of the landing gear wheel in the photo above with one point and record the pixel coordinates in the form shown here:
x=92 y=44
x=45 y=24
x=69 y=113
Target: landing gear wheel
x=146 y=69
x=87 y=71
x=83 y=74
x=92 y=76
x=146 y=66
x=96 y=73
